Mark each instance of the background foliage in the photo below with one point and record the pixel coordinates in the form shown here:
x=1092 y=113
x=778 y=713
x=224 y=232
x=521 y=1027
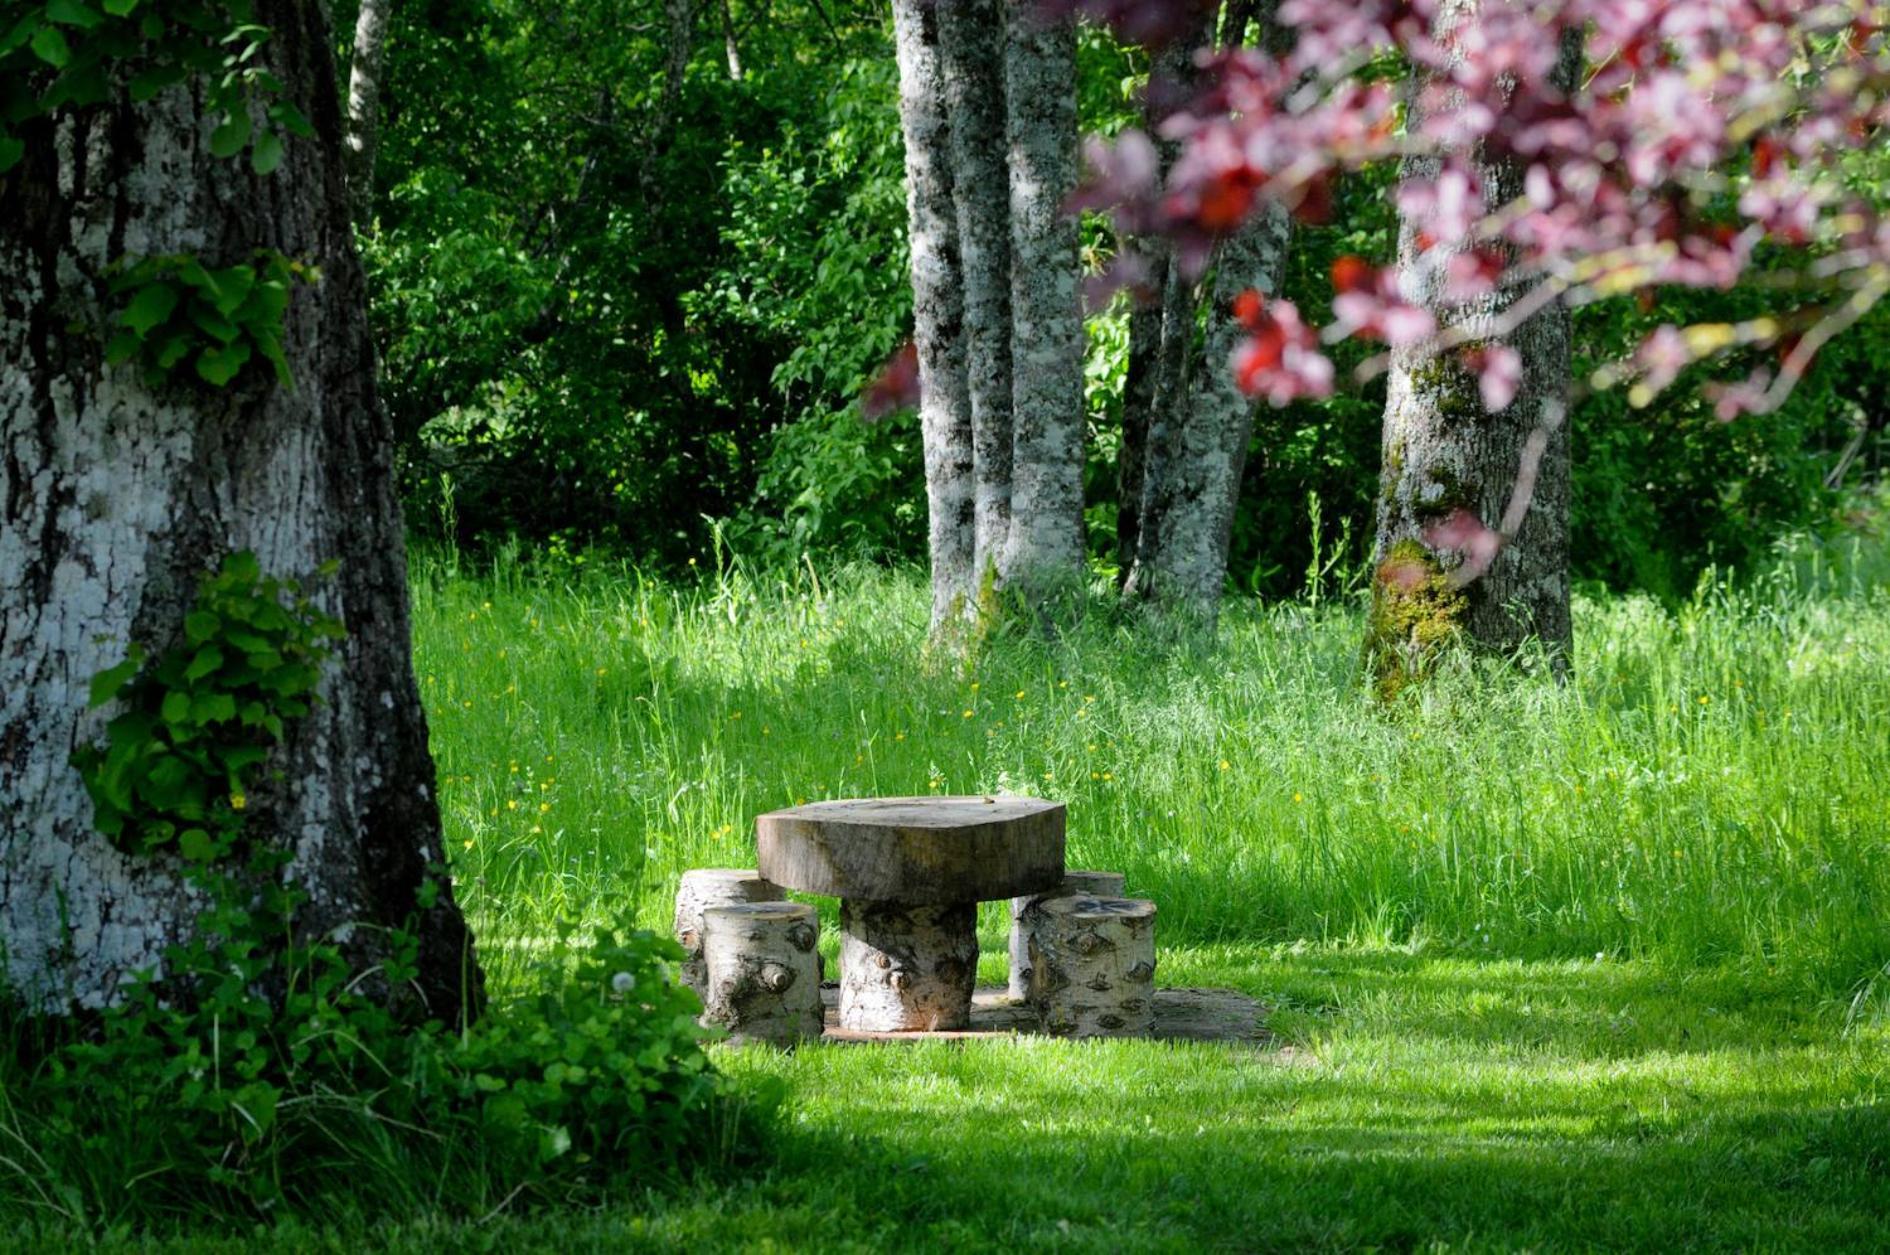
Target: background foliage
x=602 y=328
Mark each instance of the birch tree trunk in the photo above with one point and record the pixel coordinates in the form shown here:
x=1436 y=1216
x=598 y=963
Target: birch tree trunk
x=972 y=43
x=1181 y=557
x=1044 y=551
x=938 y=312
x=364 y=104
x=1156 y=357
x=1200 y=422
x=1444 y=452
x=115 y=496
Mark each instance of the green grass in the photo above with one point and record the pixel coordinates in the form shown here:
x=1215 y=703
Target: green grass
x=1710 y=788
x=1600 y=965
x=1596 y=965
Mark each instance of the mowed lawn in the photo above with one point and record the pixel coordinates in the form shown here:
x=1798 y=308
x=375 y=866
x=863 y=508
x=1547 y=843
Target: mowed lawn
x=1553 y=967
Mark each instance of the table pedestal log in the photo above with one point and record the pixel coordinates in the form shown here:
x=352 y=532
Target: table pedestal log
x=907 y=968
x=763 y=984
x=703 y=888
x=1092 y=965
x=1090 y=884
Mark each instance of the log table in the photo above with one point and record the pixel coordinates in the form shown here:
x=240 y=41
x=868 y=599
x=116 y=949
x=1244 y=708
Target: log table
x=909 y=873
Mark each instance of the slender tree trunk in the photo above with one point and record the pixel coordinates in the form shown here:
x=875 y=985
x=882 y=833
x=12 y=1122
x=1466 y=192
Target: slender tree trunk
x=1156 y=358
x=364 y=104
x=115 y=496
x=1444 y=453
x=730 y=46
x=1045 y=550
x=938 y=311
x=1139 y=393
x=971 y=45
x=1182 y=560
x=1198 y=434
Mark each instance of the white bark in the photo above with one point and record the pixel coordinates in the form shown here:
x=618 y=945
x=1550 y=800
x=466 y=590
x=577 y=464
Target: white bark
x=701 y=889
x=907 y=968
x=1087 y=884
x=937 y=311
x=1188 y=506
x=364 y=103
x=114 y=497
x=763 y=981
x=1044 y=552
x=971 y=43
x=1092 y=964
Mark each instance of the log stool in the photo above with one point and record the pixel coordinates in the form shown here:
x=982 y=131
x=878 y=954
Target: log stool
x=762 y=981
x=1088 y=884
x=704 y=888
x=1092 y=965
x=909 y=873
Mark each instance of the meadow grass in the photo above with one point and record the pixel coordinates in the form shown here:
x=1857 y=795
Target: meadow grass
x=1711 y=786
x=1560 y=967
x=1598 y=965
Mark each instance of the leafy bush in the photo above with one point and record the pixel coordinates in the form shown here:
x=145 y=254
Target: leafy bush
x=261 y=1075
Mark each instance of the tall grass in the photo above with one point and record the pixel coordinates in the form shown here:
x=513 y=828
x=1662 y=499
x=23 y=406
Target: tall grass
x=1713 y=784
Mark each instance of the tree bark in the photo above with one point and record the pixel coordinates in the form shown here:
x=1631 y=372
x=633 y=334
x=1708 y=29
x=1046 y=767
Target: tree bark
x=1200 y=421
x=1092 y=965
x=971 y=45
x=731 y=47
x=364 y=104
x=1181 y=559
x=761 y=971
x=907 y=968
x=938 y=313
x=1075 y=884
x=1443 y=453
x=1044 y=552
x=115 y=496
x=701 y=889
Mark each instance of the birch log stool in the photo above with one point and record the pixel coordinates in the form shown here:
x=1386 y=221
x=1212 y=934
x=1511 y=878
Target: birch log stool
x=701 y=889
x=1092 y=965
x=909 y=873
x=762 y=981
x=1089 y=884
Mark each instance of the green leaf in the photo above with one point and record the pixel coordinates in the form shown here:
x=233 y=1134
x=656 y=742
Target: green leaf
x=150 y=308
x=108 y=683
x=176 y=708
x=213 y=708
x=208 y=659
x=267 y=154
x=242 y=567
x=290 y=119
x=233 y=285
x=240 y=757
x=196 y=845
x=270 y=347
x=11 y=150
x=120 y=8
x=72 y=13
x=173 y=350
x=213 y=324
x=219 y=363
x=201 y=625
x=121 y=348
x=50 y=45
x=148 y=83
x=228 y=140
